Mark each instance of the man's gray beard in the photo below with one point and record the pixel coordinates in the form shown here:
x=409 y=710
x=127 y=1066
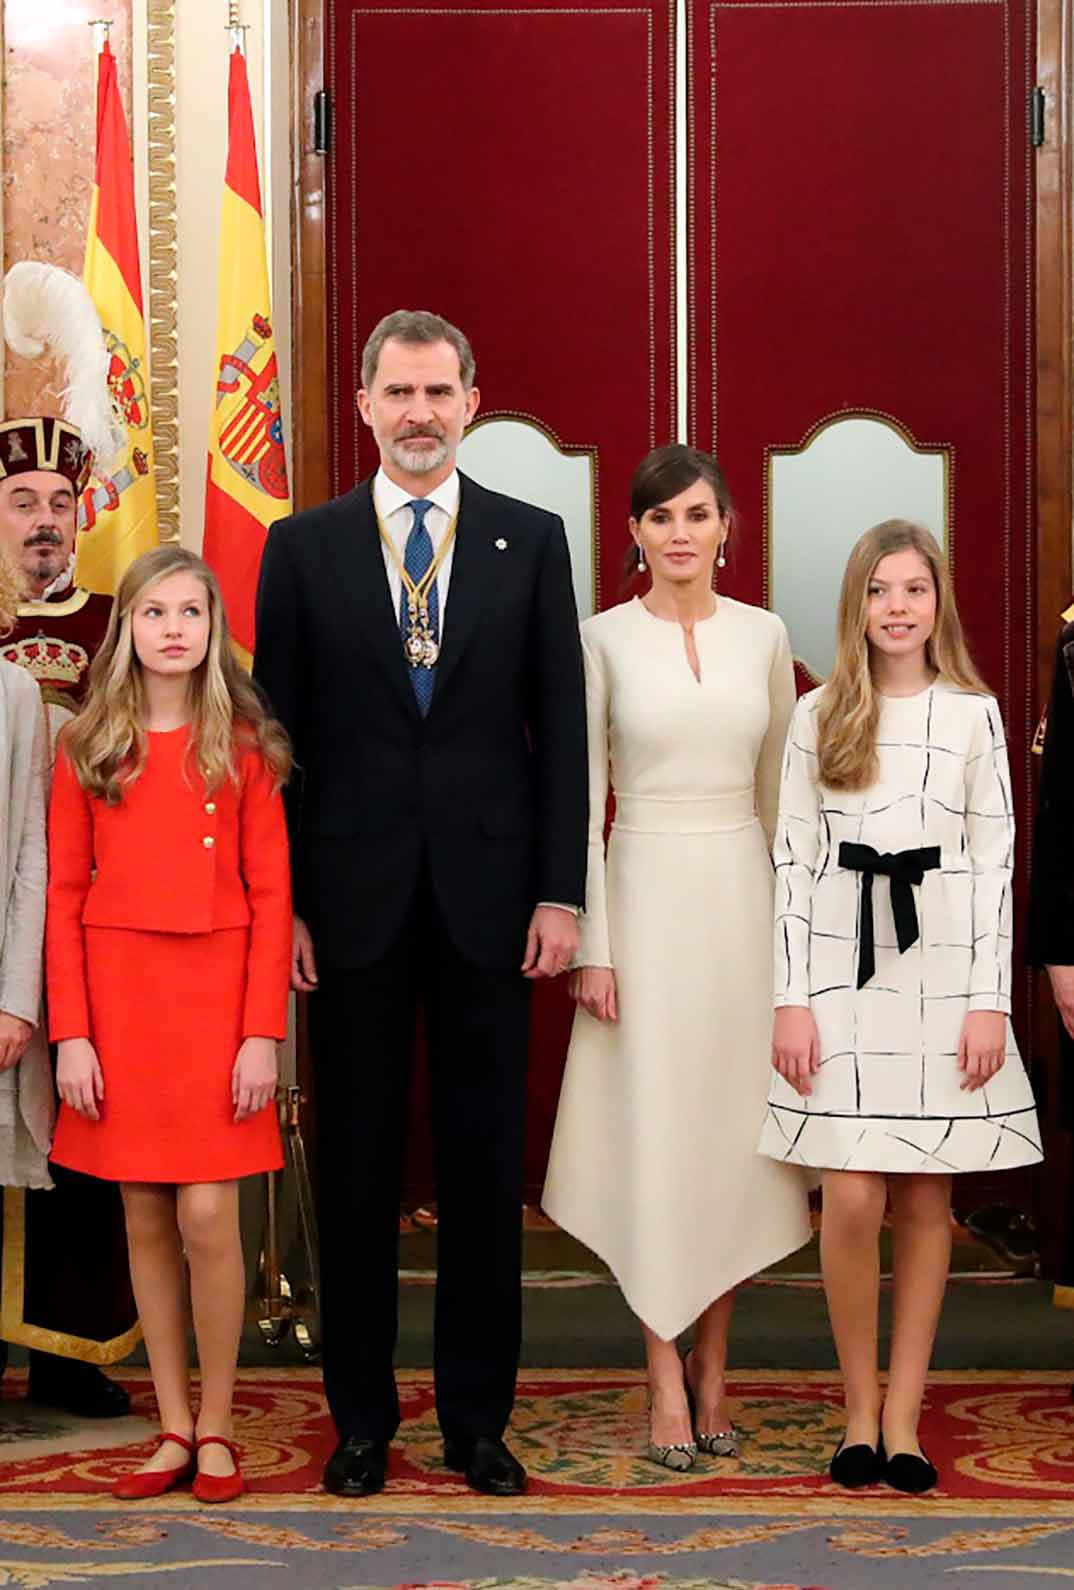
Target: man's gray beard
x=418 y=460
x=44 y=562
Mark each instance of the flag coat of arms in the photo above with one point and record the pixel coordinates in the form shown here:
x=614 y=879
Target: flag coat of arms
x=118 y=515
x=247 y=486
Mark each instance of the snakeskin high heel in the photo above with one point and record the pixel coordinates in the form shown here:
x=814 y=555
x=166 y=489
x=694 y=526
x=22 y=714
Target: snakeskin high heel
x=716 y=1443
x=679 y=1456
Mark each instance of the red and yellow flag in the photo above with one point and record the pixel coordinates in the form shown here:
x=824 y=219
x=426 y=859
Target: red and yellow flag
x=247 y=483
x=117 y=515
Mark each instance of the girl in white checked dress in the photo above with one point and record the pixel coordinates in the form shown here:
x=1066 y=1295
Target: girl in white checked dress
x=896 y=1062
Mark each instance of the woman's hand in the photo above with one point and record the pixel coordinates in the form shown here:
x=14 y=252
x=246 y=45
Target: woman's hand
x=79 y=1079
x=253 y=1078
x=796 y=1047
x=982 y=1047
x=593 y=987
x=15 y=1034
x=1062 y=981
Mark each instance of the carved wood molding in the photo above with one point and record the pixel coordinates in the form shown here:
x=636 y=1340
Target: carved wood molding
x=1055 y=511
x=163 y=327
x=1055 y=309
x=309 y=314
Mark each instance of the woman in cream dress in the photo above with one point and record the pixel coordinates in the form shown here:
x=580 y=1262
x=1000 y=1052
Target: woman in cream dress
x=653 y=1162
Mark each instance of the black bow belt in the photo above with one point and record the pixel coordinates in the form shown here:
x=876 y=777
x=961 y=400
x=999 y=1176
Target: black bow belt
x=904 y=869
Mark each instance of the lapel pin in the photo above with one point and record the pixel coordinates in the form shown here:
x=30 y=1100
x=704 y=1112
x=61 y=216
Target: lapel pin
x=501 y=544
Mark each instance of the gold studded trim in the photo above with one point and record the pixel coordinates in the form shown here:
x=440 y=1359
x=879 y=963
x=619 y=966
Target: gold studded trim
x=163 y=322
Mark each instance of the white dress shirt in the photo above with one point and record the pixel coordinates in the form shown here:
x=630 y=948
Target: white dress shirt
x=393 y=509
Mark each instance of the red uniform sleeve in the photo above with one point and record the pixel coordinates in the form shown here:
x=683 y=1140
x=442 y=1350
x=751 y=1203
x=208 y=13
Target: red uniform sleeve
x=70 y=871
x=263 y=857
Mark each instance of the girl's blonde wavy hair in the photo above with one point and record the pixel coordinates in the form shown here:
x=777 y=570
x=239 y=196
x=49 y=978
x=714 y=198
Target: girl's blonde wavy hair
x=107 y=741
x=10 y=594
x=849 y=706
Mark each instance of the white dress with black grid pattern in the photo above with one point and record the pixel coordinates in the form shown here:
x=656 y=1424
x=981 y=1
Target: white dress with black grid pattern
x=887 y=1096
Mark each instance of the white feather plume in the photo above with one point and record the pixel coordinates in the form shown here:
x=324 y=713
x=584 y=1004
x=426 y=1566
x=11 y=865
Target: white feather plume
x=44 y=305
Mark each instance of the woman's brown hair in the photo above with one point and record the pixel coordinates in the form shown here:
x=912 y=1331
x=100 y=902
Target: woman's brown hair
x=662 y=475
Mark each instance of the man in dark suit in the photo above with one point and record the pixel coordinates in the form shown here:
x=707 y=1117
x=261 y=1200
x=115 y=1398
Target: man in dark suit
x=418 y=639
x=1051 y=895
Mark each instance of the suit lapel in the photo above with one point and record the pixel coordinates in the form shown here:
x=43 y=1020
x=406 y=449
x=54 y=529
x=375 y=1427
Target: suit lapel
x=473 y=579
x=369 y=595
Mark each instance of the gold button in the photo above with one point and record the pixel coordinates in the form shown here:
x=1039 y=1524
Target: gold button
x=208 y=841
x=210 y=807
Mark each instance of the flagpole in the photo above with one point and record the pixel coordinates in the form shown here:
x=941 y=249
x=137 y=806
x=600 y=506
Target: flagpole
x=102 y=35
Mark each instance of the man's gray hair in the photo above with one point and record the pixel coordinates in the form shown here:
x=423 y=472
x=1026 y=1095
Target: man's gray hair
x=417 y=326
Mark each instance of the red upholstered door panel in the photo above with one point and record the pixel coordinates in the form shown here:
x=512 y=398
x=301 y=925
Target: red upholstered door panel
x=534 y=142
x=860 y=193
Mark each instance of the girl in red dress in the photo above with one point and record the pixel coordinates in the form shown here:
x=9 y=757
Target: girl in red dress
x=168 y=950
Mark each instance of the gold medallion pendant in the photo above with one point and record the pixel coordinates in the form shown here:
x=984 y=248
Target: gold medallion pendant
x=420 y=645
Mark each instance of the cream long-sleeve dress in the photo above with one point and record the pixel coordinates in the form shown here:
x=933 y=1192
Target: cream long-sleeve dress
x=654 y=1163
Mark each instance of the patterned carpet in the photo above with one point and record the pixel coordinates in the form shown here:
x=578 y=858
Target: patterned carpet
x=598 y=1517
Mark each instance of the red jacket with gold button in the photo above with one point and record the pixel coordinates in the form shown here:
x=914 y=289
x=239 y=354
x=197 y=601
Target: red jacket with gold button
x=169 y=858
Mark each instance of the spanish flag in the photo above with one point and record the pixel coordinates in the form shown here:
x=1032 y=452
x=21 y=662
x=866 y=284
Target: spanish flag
x=247 y=484
x=117 y=515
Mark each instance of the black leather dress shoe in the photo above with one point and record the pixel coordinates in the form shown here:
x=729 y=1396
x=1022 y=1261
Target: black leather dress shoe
x=357 y=1468
x=488 y=1465
x=907 y=1472
x=856 y=1466
x=76 y=1387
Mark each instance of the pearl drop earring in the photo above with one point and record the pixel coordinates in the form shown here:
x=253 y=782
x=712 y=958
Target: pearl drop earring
x=721 y=561
x=641 y=560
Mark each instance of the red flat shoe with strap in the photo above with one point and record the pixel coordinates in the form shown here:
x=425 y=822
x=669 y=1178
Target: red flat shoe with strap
x=218 y=1487
x=139 y=1486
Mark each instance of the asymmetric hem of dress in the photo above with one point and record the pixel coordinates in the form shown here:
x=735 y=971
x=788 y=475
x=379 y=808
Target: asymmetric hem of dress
x=779 y=1246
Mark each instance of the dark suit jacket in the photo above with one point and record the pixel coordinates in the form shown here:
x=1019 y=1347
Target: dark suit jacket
x=1051 y=892
x=1051 y=899
x=491 y=787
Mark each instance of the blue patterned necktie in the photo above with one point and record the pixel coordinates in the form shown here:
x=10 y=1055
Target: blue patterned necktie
x=416 y=560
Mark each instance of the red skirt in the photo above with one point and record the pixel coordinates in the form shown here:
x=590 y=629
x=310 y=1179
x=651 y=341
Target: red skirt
x=166 y=1016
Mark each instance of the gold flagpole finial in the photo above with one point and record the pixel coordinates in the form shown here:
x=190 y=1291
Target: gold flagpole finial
x=235 y=28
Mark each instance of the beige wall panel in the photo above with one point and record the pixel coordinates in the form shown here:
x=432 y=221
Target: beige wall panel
x=49 y=114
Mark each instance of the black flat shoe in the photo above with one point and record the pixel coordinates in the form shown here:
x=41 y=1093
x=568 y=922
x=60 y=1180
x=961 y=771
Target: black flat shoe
x=488 y=1465
x=357 y=1468
x=76 y=1387
x=856 y=1466
x=905 y=1471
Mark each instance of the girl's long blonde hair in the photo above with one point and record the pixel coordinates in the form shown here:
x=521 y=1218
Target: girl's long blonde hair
x=849 y=707
x=107 y=741
x=10 y=594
